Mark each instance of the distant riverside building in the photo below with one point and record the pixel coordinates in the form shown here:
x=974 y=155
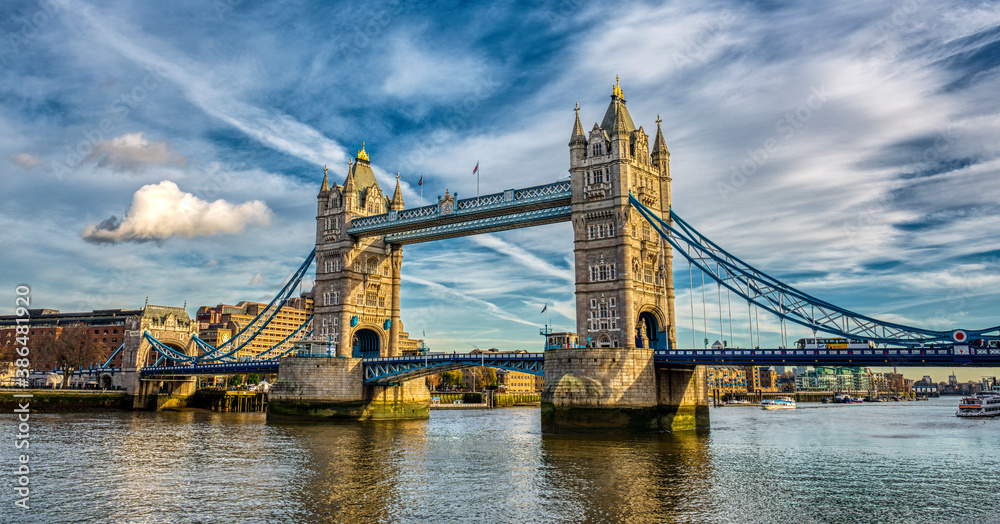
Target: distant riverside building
x=828 y=378
x=761 y=378
x=725 y=379
x=411 y=347
x=218 y=324
x=105 y=326
x=515 y=382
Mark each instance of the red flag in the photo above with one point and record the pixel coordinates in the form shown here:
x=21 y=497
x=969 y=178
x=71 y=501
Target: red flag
x=476 y=170
x=421 y=181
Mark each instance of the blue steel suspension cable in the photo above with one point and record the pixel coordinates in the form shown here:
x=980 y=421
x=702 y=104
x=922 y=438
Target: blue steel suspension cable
x=772 y=292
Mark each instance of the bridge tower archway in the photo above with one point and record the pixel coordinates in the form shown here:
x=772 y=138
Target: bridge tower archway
x=366 y=343
x=649 y=331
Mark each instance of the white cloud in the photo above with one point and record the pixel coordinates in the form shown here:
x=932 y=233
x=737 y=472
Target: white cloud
x=162 y=210
x=131 y=153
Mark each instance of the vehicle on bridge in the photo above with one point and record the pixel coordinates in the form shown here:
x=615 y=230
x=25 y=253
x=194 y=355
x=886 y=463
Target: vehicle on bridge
x=833 y=343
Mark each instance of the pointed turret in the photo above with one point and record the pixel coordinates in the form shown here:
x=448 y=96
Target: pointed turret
x=349 y=184
x=326 y=183
x=659 y=144
x=578 y=137
x=617 y=112
x=397 y=196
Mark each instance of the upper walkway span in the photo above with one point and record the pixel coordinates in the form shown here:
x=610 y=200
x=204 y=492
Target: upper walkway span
x=450 y=217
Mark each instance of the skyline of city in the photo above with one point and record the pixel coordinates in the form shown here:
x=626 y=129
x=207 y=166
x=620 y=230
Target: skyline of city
x=848 y=150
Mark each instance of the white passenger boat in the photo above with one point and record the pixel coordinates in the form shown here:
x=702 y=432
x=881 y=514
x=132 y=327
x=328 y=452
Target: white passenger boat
x=778 y=403
x=985 y=404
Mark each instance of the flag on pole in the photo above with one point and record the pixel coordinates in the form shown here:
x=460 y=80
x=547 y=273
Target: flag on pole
x=546 y=308
x=421 y=182
x=476 y=169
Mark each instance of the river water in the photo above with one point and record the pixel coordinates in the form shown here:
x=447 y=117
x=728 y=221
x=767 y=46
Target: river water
x=886 y=462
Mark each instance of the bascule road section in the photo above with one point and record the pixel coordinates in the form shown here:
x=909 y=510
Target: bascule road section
x=622 y=369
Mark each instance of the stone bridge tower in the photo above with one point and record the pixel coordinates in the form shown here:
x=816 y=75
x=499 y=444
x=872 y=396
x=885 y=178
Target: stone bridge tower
x=357 y=280
x=624 y=277
x=624 y=291
x=171 y=326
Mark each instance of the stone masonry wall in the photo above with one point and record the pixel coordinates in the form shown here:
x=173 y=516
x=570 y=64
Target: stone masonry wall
x=600 y=377
x=326 y=379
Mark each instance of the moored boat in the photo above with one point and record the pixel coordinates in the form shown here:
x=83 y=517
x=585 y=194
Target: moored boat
x=985 y=404
x=778 y=403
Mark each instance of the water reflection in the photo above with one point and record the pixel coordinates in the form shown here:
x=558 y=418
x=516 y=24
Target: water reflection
x=354 y=470
x=815 y=464
x=639 y=478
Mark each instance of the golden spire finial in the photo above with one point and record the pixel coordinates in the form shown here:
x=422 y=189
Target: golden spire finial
x=363 y=155
x=324 y=169
x=658 y=121
x=397 y=175
x=577 y=108
x=617 y=90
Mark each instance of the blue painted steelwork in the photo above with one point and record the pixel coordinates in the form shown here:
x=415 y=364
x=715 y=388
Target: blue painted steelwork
x=536 y=217
x=260 y=356
x=509 y=202
x=400 y=369
x=248 y=333
x=927 y=356
x=112 y=357
x=783 y=300
x=255 y=326
x=261 y=366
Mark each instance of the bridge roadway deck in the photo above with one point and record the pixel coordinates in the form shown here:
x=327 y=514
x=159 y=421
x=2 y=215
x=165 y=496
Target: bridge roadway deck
x=386 y=370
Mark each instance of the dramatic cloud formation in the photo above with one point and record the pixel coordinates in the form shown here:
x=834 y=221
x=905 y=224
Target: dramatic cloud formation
x=848 y=148
x=132 y=153
x=26 y=161
x=162 y=210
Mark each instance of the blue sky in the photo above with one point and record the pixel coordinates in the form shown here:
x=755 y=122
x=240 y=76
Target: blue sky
x=848 y=148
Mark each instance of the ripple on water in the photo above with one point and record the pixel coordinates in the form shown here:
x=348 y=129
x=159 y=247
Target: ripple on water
x=824 y=464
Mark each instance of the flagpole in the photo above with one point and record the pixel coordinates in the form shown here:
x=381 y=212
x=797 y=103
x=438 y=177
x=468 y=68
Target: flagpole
x=421 y=190
x=477 y=180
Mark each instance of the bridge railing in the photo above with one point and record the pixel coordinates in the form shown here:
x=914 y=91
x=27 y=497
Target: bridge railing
x=917 y=356
x=466 y=206
x=456 y=356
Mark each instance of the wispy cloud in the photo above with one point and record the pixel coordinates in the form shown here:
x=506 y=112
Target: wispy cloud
x=26 y=161
x=451 y=294
x=132 y=153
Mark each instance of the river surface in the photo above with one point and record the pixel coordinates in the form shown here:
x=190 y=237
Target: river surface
x=887 y=462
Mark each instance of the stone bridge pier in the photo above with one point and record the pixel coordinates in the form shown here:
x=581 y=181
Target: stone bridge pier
x=333 y=389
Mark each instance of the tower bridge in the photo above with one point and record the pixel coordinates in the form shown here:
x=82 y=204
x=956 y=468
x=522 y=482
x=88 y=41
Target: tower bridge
x=630 y=371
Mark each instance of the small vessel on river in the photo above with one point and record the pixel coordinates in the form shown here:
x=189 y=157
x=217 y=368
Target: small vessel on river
x=778 y=403
x=985 y=404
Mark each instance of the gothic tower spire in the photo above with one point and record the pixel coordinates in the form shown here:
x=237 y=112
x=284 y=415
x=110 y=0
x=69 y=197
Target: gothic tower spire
x=397 y=196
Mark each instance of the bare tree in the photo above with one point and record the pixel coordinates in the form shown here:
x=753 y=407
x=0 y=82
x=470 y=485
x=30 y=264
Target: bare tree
x=71 y=348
